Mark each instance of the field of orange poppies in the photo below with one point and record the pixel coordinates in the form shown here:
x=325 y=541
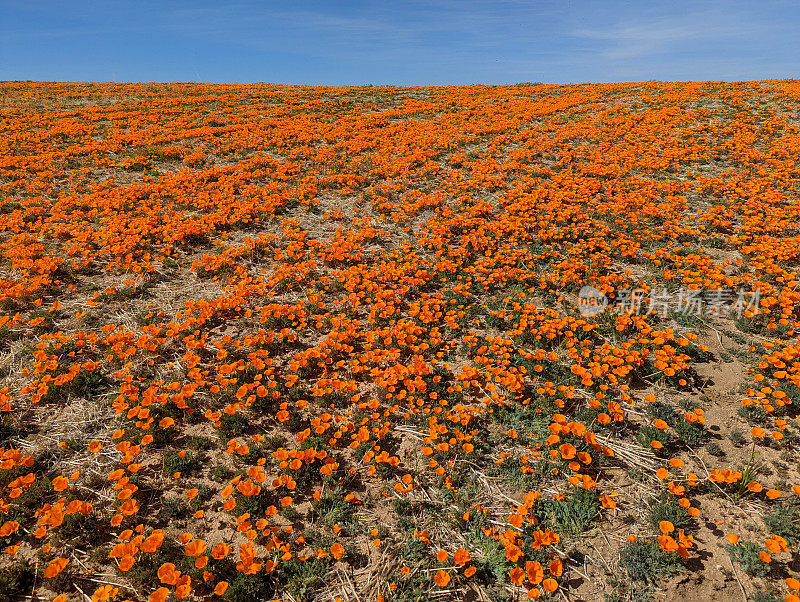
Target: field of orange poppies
x=468 y=343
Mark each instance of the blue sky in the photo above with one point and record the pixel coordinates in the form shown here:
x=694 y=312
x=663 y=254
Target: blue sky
x=399 y=42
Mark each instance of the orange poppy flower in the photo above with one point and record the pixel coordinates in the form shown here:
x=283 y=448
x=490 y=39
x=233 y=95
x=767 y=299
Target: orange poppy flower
x=461 y=557
x=442 y=578
x=534 y=571
x=55 y=567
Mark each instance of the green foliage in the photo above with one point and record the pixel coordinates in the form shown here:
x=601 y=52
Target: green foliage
x=525 y=419
x=251 y=457
x=513 y=474
x=686 y=319
x=31 y=497
x=200 y=443
x=204 y=492
x=7 y=429
x=247 y=588
x=747 y=555
x=646 y=561
x=16 y=579
x=753 y=414
x=715 y=242
x=273 y=442
x=221 y=473
x=144 y=570
x=415 y=587
x=186 y=465
x=696 y=354
x=692 y=434
x=89 y=384
x=661 y=410
x=492 y=566
x=332 y=510
x=438 y=381
x=737 y=438
x=233 y=425
x=667 y=509
x=750 y=472
x=572 y=515
x=402 y=506
x=784 y=520
x=647 y=434
x=792 y=391
x=755 y=325
x=414 y=549
x=55 y=393
x=302 y=579
x=79 y=526
x=8 y=336
x=316 y=539
x=255 y=504
x=174 y=508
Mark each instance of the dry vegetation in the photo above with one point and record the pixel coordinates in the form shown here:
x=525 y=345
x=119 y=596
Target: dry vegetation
x=324 y=343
